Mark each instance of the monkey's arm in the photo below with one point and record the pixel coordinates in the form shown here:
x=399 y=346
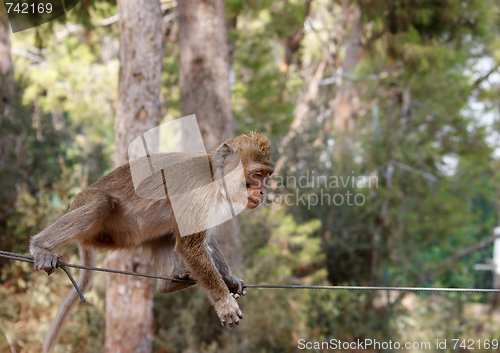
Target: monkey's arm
x=194 y=249
x=236 y=285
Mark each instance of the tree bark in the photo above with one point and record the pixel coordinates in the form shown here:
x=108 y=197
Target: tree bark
x=204 y=68
x=205 y=88
x=129 y=301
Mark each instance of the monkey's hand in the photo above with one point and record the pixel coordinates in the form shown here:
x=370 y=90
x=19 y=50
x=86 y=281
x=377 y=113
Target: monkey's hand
x=45 y=260
x=236 y=286
x=228 y=311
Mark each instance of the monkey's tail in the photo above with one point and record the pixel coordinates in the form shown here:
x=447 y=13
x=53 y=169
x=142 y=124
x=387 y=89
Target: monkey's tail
x=84 y=279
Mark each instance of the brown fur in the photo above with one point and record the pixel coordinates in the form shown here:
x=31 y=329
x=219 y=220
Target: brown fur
x=110 y=215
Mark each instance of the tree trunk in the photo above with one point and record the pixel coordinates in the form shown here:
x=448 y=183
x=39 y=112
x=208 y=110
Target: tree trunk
x=204 y=83
x=204 y=68
x=129 y=301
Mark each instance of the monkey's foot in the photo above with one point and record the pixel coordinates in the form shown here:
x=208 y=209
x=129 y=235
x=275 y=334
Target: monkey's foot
x=236 y=286
x=45 y=260
x=181 y=281
x=228 y=311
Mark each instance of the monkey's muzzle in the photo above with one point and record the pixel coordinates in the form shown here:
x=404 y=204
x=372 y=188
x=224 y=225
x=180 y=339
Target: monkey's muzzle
x=255 y=198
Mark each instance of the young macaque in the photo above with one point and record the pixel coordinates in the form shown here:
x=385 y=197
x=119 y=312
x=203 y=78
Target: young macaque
x=110 y=215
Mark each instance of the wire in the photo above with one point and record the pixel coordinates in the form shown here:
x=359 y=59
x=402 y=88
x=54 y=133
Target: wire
x=24 y=258
x=63 y=266
x=375 y=288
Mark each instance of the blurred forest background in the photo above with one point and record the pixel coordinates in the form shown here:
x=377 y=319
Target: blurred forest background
x=406 y=92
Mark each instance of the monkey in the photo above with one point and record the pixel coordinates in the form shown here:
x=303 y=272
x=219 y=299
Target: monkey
x=109 y=215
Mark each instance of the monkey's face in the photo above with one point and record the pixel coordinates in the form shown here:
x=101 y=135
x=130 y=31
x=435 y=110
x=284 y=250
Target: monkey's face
x=252 y=151
x=256 y=185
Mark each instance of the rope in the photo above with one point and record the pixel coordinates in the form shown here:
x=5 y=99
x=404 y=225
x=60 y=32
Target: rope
x=63 y=265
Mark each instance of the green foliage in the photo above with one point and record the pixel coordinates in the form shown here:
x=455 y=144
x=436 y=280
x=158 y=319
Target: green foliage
x=424 y=130
x=264 y=90
x=28 y=303
x=66 y=123
x=272 y=254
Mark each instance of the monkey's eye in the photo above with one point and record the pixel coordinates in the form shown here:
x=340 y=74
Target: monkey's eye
x=258 y=175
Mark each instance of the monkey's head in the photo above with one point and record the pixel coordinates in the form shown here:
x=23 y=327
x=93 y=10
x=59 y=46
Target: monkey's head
x=253 y=151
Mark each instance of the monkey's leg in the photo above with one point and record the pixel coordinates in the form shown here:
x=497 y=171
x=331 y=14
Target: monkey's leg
x=90 y=209
x=193 y=248
x=235 y=285
x=169 y=264
x=180 y=281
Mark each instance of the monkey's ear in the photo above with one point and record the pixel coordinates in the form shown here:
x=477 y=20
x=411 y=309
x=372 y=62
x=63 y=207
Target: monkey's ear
x=222 y=153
